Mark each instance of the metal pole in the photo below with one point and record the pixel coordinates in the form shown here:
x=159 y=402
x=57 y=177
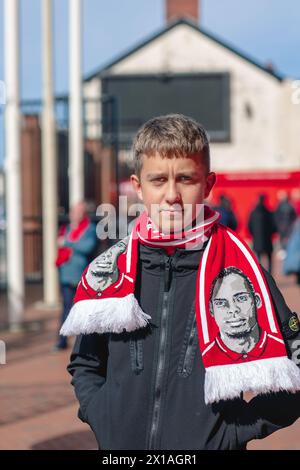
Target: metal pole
x=15 y=263
x=49 y=165
x=76 y=162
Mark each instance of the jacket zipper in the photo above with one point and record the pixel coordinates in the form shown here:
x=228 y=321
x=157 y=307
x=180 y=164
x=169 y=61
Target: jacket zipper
x=136 y=355
x=161 y=358
x=190 y=352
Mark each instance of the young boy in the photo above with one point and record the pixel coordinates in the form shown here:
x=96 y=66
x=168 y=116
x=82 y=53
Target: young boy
x=151 y=368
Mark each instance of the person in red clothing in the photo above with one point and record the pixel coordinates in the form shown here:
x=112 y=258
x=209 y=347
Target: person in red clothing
x=233 y=304
x=76 y=244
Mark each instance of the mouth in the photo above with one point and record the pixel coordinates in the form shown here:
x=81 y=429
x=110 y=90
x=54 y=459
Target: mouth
x=174 y=210
x=236 y=323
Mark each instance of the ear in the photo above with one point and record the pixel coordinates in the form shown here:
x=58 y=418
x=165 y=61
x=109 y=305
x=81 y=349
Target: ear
x=135 y=181
x=211 y=309
x=258 y=301
x=210 y=182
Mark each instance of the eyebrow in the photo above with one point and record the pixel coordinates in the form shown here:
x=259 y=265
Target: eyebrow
x=155 y=175
x=187 y=173
x=234 y=295
x=242 y=292
x=181 y=173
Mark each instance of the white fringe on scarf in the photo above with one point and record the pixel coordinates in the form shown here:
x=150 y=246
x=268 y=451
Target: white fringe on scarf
x=112 y=315
x=261 y=376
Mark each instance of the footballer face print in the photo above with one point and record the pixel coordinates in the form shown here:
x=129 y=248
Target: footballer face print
x=233 y=304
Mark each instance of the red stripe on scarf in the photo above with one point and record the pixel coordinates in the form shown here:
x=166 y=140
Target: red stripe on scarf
x=221 y=252
x=224 y=253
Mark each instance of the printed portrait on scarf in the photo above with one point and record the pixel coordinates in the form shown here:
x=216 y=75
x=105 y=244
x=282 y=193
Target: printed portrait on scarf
x=233 y=304
x=237 y=321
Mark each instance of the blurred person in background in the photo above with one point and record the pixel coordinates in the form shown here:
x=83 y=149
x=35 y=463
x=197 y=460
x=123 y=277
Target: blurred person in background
x=227 y=215
x=291 y=263
x=284 y=216
x=295 y=199
x=261 y=225
x=77 y=242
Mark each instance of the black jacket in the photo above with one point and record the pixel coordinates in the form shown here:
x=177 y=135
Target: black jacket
x=261 y=225
x=145 y=390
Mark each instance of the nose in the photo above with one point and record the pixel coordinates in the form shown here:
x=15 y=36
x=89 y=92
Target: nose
x=172 y=195
x=234 y=309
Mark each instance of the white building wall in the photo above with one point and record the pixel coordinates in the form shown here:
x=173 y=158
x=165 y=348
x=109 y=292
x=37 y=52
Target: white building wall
x=289 y=122
x=257 y=143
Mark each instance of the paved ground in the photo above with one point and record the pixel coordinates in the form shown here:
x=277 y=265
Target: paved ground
x=38 y=408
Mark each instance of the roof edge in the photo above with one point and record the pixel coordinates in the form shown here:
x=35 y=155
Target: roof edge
x=165 y=29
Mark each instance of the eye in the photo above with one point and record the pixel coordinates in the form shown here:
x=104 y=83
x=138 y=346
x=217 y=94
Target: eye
x=185 y=178
x=158 y=180
x=242 y=297
x=220 y=303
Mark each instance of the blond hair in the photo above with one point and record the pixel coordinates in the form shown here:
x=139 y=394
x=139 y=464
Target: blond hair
x=172 y=135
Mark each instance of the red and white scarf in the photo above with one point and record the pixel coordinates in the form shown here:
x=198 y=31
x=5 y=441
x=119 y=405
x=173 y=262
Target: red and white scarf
x=114 y=308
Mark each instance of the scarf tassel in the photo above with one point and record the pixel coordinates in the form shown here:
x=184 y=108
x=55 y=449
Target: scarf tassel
x=264 y=376
x=114 y=315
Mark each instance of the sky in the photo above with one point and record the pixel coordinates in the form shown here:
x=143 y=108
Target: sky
x=266 y=30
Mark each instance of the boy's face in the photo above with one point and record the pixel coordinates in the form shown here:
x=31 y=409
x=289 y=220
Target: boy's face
x=170 y=188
